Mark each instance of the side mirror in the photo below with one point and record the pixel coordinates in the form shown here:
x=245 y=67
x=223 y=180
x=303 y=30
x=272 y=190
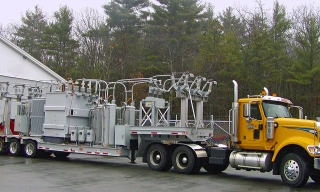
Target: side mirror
x=247 y=110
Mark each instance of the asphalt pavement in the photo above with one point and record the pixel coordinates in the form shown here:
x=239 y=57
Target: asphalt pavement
x=95 y=173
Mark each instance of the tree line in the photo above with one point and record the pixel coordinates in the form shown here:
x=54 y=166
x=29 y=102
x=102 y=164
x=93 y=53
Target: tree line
x=277 y=48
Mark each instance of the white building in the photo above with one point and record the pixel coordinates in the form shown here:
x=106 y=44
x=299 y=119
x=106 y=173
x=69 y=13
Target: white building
x=19 y=68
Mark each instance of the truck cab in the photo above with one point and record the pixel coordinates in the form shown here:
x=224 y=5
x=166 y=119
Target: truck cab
x=267 y=137
x=254 y=113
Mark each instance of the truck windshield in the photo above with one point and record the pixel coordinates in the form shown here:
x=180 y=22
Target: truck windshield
x=276 y=109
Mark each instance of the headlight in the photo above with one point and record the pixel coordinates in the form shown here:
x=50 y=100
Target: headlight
x=313 y=149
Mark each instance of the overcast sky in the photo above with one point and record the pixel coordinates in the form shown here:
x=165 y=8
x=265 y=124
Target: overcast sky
x=11 y=10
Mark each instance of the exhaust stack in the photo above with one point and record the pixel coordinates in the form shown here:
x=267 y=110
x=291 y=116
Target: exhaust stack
x=235 y=109
x=266 y=90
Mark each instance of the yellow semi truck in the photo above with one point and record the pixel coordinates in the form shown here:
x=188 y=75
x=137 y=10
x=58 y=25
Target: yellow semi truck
x=266 y=137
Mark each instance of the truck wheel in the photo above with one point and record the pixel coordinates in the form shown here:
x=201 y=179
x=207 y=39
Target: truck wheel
x=185 y=161
x=14 y=147
x=30 y=149
x=59 y=154
x=159 y=158
x=315 y=178
x=213 y=168
x=3 y=147
x=293 y=170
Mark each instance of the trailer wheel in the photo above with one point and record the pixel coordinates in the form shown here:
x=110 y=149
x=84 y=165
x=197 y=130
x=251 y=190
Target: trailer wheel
x=315 y=178
x=59 y=154
x=214 y=168
x=159 y=158
x=185 y=161
x=3 y=147
x=294 y=170
x=14 y=147
x=30 y=149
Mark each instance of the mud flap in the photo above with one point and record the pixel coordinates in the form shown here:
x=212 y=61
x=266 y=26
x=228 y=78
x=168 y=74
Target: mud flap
x=317 y=163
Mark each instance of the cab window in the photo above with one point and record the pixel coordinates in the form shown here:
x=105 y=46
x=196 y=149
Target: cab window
x=255 y=112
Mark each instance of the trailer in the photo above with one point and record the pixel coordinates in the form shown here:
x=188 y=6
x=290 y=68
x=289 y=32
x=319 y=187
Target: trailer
x=79 y=117
x=84 y=117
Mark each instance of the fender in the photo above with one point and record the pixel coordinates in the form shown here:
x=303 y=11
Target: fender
x=300 y=141
x=198 y=150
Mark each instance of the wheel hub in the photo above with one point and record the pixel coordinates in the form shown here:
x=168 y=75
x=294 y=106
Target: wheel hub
x=13 y=147
x=291 y=170
x=158 y=157
x=155 y=157
x=29 y=149
x=184 y=160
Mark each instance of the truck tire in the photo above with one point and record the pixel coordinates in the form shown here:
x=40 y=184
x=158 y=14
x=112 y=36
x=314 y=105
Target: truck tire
x=3 y=147
x=185 y=161
x=159 y=158
x=30 y=149
x=315 y=178
x=294 y=170
x=14 y=147
x=213 y=168
x=60 y=154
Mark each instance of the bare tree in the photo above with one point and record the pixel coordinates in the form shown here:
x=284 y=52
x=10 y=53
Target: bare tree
x=9 y=31
x=94 y=47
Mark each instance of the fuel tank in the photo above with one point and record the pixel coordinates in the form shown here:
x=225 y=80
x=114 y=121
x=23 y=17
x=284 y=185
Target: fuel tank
x=251 y=160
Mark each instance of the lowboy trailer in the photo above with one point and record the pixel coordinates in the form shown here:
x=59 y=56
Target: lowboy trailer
x=83 y=117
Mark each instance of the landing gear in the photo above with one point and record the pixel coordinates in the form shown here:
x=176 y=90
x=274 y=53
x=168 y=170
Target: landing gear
x=293 y=170
x=159 y=157
x=185 y=161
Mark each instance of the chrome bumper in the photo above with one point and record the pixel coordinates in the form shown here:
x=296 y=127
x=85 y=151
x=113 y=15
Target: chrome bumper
x=317 y=163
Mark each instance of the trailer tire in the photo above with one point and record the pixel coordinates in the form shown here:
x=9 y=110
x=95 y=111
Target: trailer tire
x=294 y=170
x=315 y=178
x=185 y=161
x=214 y=168
x=3 y=147
x=30 y=149
x=14 y=147
x=159 y=157
x=60 y=154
